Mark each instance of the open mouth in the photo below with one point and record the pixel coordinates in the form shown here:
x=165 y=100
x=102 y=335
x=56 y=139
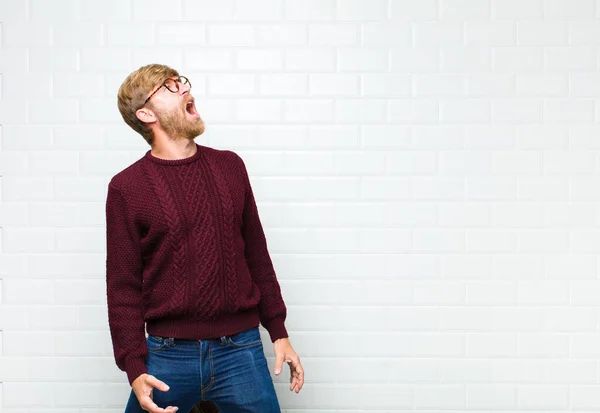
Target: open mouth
x=190 y=108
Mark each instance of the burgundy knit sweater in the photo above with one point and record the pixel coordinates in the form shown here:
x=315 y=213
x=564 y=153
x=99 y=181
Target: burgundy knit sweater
x=186 y=255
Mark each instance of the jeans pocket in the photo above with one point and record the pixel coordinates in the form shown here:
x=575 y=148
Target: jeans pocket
x=156 y=344
x=245 y=338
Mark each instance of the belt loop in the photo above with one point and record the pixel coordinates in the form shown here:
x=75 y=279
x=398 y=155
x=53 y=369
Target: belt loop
x=170 y=341
x=223 y=341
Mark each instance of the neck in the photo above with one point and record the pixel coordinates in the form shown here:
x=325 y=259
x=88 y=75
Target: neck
x=173 y=149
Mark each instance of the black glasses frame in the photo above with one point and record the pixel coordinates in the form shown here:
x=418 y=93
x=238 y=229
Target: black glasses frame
x=180 y=79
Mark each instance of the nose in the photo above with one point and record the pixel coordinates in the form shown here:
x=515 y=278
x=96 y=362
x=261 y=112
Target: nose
x=183 y=89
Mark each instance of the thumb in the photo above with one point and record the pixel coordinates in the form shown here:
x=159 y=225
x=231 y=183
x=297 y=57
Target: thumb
x=278 y=362
x=154 y=382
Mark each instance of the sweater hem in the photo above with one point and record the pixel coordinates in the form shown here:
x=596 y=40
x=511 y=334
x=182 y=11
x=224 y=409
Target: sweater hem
x=226 y=325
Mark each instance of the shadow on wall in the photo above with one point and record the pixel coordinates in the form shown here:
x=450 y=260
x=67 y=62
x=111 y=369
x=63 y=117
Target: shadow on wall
x=204 y=407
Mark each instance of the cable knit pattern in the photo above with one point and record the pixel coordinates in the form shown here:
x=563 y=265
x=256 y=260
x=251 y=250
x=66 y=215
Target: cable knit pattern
x=206 y=293
x=226 y=235
x=169 y=209
x=186 y=255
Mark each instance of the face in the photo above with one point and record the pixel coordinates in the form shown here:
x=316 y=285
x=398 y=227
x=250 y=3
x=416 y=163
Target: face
x=176 y=111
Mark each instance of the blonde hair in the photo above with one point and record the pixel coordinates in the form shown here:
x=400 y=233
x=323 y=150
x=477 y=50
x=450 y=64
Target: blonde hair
x=134 y=91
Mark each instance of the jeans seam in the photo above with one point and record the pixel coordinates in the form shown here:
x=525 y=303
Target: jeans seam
x=212 y=372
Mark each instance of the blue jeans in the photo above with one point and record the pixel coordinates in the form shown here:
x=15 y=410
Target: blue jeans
x=231 y=371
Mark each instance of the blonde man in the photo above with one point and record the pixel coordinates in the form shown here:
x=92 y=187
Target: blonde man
x=187 y=262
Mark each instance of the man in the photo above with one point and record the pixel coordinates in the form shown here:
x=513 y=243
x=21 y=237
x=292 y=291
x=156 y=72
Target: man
x=187 y=262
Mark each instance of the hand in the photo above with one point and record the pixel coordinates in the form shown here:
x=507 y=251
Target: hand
x=285 y=352
x=143 y=386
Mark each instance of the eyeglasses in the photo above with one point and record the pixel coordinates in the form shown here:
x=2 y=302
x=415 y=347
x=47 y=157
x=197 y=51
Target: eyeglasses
x=172 y=85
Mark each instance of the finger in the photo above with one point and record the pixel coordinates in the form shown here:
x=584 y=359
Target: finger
x=151 y=407
x=299 y=375
x=293 y=383
x=278 y=363
x=299 y=381
x=296 y=366
x=294 y=379
x=154 y=382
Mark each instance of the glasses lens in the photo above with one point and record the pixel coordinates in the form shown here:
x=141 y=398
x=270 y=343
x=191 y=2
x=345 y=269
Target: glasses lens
x=171 y=84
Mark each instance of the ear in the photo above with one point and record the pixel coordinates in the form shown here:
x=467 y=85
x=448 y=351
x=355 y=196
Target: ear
x=145 y=115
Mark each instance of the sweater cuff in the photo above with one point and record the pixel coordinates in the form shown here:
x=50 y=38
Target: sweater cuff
x=276 y=329
x=135 y=368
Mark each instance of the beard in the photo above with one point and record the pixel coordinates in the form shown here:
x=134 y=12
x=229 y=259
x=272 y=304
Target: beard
x=177 y=125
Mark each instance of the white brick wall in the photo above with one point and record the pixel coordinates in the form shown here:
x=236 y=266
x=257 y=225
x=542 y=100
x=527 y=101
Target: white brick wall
x=427 y=173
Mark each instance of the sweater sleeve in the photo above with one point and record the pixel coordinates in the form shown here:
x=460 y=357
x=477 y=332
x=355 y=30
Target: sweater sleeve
x=271 y=308
x=124 y=287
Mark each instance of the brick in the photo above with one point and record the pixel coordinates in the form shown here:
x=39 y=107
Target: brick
x=60 y=11
x=541 y=33
x=494 y=33
x=464 y=215
x=568 y=110
x=517 y=110
x=107 y=11
x=105 y=60
x=573 y=58
x=339 y=34
x=465 y=110
x=464 y=10
x=130 y=34
x=231 y=84
x=542 y=85
x=494 y=345
x=310 y=59
x=386 y=34
x=16 y=10
x=466 y=59
x=566 y=10
x=410 y=60
x=491 y=85
x=88 y=34
x=232 y=35
x=207 y=10
x=333 y=84
x=360 y=110
x=517 y=59
x=308 y=110
x=288 y=34
x=362 y=10
x=259 y=60
x=283 y=84
x=261 y=110
x=408 y=10
x=156 y=10
x=438 y=85
x=464 y=162
x=313 y=10
x=181 y=34
x=517 y=9
x=385 y=84
x=259 y=10
x=414 y=110
x=26 y=34
x=363 y=60
x=209 y=59
x=437 y=34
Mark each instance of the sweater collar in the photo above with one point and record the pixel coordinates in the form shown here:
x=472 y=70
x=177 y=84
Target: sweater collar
x=174 y=162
